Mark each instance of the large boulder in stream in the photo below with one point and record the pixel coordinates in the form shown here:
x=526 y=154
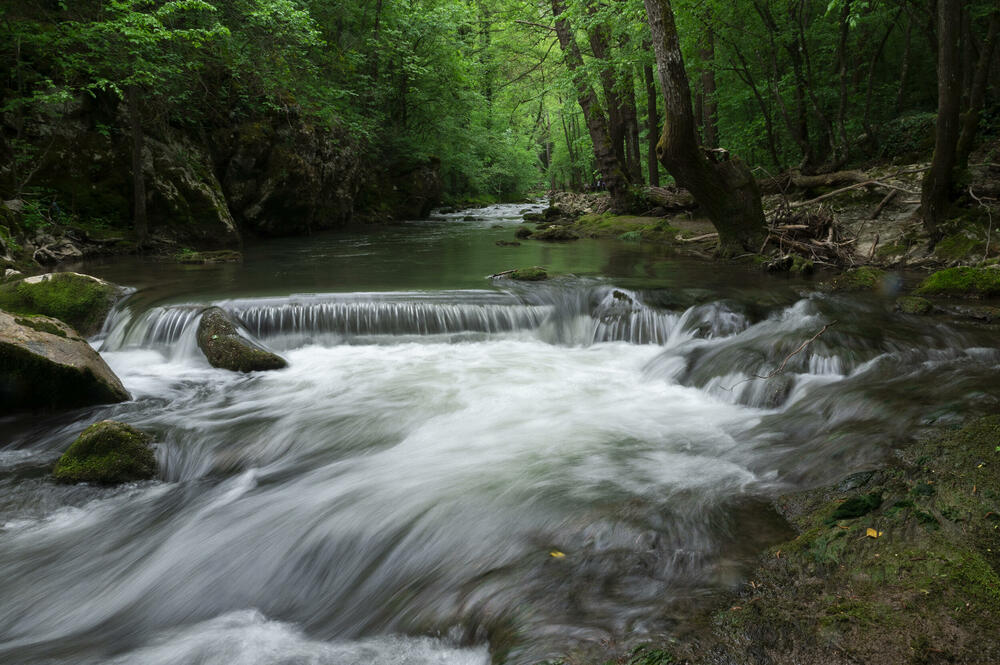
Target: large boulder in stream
x=45 y=364
x=107 y=452
x=220 y=341
x=82 y=301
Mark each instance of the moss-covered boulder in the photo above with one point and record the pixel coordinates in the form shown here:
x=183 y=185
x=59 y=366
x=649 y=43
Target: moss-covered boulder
x=556 y=233
x=223 y=345
x=865 y=278
x=107 y=452
x=965 y=282
x=522 y=232
x=44 y=364
x=81 y=301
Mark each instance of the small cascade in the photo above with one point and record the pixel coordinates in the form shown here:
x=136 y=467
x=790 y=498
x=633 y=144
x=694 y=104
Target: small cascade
x=159 y=328
x=351 y=317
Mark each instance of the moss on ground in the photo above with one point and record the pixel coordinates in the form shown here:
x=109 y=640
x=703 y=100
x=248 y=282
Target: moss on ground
x=913 y=579
x=963 y=281
x=626 y=227
x=107 y=452
x=79 y=300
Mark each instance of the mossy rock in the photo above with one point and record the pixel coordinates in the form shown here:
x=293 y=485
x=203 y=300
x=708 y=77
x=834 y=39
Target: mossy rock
x=856 y=506
x=225 y=348
x=865 y=278
x=914 y=305
x=963 y=281
x=522 y=232
x=107 y=452
x=81 y=301
x=534 y=274
x=44 y=364
x=556 y=234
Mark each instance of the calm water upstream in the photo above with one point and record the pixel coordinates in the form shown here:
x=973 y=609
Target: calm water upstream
x=397 y=494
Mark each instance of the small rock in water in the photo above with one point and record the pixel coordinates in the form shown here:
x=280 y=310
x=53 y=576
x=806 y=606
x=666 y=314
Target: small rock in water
x=107 y=452
x=225 y=348
x=508 y=243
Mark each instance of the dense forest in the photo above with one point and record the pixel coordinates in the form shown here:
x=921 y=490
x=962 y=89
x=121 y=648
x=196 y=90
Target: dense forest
x=280 y=116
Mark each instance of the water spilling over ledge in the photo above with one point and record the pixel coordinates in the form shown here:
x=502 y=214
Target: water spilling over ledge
x=397 y=493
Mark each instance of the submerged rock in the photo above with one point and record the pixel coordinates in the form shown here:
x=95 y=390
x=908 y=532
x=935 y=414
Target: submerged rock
x=225 y=348
x=45 y=364
x=522 y=232
x=81 y=301
x=107 y=452
x=534 y=274
x=914 y=305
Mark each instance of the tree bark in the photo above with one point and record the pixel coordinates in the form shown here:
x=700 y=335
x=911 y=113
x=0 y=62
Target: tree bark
x=633 y=160
x=600 y=46
x=904 y=68
x=652 y=127
x=936 y=190
x=139 y=217
x=710 y=107
x=970 y=119
x=597 y=124
x=725 y=190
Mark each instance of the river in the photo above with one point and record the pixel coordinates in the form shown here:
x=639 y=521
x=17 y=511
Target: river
x=451 y=464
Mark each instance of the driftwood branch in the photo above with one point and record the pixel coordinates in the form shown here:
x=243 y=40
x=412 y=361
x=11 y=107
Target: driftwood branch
x=781 y=368
x=707 y=236
x=989 y=213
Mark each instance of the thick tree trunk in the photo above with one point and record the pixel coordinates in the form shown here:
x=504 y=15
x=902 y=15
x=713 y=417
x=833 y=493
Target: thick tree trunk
x=725 y=190
x=600 y=45
x=139 y=217
x=970 y=119
x=652 y=127
x=597 y=124
x=936 y=191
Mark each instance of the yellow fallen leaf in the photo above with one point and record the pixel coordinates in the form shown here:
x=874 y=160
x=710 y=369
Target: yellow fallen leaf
x=872 y=533
x=556 y=554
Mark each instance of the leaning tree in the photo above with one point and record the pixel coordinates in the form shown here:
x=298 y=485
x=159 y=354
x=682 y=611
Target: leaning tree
x=722 y=186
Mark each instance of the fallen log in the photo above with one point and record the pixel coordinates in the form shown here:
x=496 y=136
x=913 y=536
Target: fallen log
x=674 y=200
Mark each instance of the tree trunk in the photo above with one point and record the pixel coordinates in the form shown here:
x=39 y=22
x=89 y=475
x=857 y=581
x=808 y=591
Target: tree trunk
x=652 y=127
x=710 y=107
x=597 y=124
x=970 y=120
x=138 y=183
x=904 y=68
x=633 y=161
x=936 y=191
x=725 y=190
x=600 y=45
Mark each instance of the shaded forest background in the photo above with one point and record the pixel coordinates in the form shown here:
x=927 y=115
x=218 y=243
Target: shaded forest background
x=283 y=116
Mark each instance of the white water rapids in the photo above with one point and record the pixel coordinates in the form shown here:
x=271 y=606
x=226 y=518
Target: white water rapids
x=395 y=496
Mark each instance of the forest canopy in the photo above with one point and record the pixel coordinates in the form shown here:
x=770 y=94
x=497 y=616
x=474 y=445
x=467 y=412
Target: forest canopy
x=485 y=89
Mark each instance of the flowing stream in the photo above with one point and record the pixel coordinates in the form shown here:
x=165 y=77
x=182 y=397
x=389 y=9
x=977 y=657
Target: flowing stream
x=452 y=468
